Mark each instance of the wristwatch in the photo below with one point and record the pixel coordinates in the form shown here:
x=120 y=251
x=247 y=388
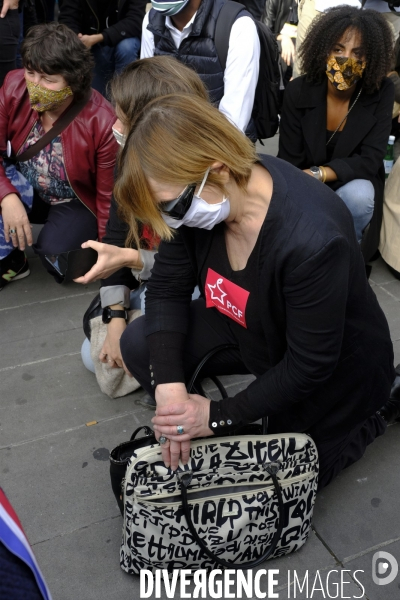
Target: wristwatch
x=109 y=314
x=316 y=172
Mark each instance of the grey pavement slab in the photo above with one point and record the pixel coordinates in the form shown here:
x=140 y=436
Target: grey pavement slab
x=360 y=508
x=40 y=347
x=369 y=563
x=54 y=396
x=380 y=274
x=103 y=578
x=39 y=286
x=61 y=483
x=25 y=321
x=270 y=146
x=58 y=394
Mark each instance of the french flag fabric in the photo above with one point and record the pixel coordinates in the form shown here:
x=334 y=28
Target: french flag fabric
x=14 y=538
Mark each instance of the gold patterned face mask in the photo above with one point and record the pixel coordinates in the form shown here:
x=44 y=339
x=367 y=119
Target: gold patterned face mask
x=344 y=72
x=42 y=99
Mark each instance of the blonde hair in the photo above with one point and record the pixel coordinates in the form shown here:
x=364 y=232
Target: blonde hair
x=144 y=80
x=174 y=140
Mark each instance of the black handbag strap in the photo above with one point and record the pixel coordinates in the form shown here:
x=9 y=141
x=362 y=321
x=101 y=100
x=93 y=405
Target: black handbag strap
x=201 y=364
x=185 y=479
x=62 y=123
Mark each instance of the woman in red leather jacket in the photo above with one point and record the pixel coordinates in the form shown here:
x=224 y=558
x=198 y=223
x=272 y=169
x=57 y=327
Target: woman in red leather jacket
x=71 y=177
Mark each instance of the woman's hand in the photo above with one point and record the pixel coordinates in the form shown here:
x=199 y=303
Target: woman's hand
x=15 y=219
x=110 y=259
x=8 y=5
x=288 y=51
x=111 y=351
x=193 y=415
x=169 y=394
x=329 y=173
x=91 y=40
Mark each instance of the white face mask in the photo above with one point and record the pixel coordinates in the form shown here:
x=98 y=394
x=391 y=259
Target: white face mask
x=120 y=137
x=201 y=214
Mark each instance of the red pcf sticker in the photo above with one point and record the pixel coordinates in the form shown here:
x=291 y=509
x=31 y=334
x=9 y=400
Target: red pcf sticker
x=227 y=297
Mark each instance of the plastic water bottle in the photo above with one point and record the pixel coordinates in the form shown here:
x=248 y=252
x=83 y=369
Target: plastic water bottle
x=388 y=160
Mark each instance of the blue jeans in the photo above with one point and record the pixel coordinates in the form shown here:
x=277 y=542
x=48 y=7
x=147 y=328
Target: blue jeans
x=110 y=60
x=358 y=195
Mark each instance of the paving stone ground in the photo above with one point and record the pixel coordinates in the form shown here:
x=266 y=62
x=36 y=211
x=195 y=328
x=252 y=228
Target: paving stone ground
x=55 y=469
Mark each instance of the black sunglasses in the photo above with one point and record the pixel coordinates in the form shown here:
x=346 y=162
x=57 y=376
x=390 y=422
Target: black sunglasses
x=177 y=208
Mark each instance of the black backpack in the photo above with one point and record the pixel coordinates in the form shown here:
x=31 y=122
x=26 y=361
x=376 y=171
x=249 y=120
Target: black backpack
x=269 y=90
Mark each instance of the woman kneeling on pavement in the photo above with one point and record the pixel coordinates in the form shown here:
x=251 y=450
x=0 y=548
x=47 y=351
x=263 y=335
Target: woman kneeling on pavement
x=71 y=177
x=281 y=276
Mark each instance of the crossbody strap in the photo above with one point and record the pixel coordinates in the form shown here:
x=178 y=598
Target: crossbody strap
x=59 y=126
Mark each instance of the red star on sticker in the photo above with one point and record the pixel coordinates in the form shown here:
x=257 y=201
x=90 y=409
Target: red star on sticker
x=215 y=296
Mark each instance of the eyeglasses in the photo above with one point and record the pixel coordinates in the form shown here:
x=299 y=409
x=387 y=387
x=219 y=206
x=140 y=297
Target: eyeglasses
x=177 y=208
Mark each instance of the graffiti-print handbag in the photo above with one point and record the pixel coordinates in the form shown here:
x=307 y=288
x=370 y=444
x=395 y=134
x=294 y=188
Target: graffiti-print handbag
x=239 y=501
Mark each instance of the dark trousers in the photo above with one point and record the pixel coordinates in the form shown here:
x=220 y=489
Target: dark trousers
x=17 y=582
x=66 y=227
x=209 y=330
x=9 y=36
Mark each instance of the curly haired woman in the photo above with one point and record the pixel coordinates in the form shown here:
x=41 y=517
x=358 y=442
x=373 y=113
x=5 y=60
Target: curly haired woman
x=336 y=118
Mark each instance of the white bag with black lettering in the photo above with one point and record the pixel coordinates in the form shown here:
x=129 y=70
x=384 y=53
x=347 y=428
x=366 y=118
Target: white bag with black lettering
x=239 y=501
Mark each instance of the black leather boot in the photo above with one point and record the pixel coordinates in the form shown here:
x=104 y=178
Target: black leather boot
x=391 y=410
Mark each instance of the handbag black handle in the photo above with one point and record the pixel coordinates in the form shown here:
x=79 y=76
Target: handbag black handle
x=185 y=479
x=147 y=432
x=221 y=388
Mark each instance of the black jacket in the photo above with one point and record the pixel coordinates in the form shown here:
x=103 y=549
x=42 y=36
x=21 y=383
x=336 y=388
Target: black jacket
x=124 y=19
x=327 y=338
x=278 y=12
x=361 y=147
x=198 y=50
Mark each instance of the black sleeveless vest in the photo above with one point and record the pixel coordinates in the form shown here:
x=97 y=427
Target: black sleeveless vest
x=198 y=49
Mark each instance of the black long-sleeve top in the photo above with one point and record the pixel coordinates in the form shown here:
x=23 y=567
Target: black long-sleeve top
x=328 y=341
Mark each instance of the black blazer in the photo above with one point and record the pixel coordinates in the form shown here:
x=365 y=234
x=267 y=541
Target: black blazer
x=327 y=339
x=361 y=147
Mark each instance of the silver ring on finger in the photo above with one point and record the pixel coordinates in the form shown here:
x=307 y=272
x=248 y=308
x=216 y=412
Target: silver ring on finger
x=180 y=429
x=162 y=440
x=13 y=231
